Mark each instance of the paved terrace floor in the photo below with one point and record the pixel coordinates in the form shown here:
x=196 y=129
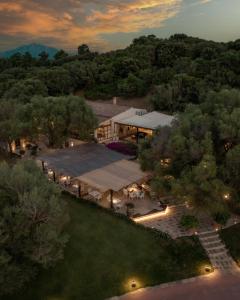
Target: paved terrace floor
x=169 y=223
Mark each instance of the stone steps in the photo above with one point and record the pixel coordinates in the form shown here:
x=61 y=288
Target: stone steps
x=217 y=252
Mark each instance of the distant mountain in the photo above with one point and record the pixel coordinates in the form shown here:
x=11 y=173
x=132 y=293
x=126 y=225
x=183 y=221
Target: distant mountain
x=33 y=49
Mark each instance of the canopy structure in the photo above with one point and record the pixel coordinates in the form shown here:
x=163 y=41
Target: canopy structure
x=114 y=176
x=151 y=120
x=81 y=159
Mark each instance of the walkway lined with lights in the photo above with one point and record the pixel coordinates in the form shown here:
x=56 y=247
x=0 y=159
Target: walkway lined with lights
x=217 y=252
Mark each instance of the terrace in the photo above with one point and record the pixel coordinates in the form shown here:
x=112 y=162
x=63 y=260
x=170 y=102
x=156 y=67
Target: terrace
x=96 y=173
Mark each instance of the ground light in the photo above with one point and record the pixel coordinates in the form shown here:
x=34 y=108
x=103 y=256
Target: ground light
x=208 y=269
x=133 y=284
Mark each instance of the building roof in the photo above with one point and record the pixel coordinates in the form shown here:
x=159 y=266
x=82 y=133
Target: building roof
x=114 y=176
x=151 y=120
x=105 y=111
x=81 y=159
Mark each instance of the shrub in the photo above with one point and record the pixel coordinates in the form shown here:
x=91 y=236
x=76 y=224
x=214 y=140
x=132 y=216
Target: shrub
x=189 y=222
x=221 y=217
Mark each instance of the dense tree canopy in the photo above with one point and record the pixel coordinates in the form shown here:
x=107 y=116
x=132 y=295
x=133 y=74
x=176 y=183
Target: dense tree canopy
x=181 y=68
x=31 y=224
x=197 y=160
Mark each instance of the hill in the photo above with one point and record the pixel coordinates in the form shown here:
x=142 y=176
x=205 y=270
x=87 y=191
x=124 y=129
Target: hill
x=33 y=49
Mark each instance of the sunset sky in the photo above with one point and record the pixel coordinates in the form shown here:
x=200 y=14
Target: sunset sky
x=110 y=24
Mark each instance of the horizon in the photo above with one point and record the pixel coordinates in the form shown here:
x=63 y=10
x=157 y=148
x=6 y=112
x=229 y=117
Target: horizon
x=112 y=25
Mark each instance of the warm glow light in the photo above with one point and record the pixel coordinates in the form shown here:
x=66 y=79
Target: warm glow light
x=226 y=196
x=133 y=284
x=50 y=172
x=152 y=216
x=207 y=270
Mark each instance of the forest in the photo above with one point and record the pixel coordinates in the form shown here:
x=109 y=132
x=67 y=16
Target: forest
x=175 y=71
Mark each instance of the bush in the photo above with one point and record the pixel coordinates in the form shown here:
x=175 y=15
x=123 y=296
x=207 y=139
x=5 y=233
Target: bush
x=189 y=222
x=221 y=217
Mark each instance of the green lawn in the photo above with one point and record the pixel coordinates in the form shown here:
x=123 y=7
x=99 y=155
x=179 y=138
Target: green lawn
x=106 y=252
x=231 y=237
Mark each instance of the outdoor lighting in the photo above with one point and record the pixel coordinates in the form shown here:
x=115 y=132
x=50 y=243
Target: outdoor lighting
x=152 y=216
x=226 y=196
x=133 y=284
x=72 y=144
x=76 y=186
x=208 y=269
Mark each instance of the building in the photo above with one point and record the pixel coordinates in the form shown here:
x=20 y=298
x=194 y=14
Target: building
x=118 y=122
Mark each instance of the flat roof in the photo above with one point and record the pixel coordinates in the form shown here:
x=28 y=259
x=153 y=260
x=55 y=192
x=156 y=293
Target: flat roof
x=81 y=159
x=114 y=176
x=151 y=120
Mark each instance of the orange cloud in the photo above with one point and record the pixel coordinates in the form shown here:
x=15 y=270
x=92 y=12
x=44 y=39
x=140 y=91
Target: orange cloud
x=84 y=21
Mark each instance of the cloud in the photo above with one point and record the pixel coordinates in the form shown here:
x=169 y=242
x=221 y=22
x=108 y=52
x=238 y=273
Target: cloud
x=71 y=22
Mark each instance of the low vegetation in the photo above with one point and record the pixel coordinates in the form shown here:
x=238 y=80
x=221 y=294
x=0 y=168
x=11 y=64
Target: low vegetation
x=105 y=253
x=231 y=237
x=189 y=222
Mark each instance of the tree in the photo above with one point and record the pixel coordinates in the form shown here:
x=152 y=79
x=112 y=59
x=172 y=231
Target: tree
x=24 y=90
x=201 y=188
x=57 y=80
x=60 y=55
x=31 y=227
x=131 y=86
x=43 y=58
x=61 y=117
x=231 y=168
x=83 y=49
x=10 y=125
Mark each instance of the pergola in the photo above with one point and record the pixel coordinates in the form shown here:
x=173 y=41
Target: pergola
x=95 y=166
x=114 y=176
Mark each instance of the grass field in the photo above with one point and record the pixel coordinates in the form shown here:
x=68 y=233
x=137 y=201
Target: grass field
x=231 y=237
x=105 y=253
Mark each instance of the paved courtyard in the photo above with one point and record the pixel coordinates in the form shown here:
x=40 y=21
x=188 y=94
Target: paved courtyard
x=169 y=223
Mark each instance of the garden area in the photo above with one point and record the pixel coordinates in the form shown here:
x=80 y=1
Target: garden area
x=231 y=237
x=106 y=253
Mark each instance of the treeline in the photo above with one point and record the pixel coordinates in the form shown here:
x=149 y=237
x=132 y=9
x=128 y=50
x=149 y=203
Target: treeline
x=177 y=71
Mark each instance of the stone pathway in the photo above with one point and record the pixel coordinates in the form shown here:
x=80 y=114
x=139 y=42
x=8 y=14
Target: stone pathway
x=169 y=223
x=208 y=236
x=217 y=252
